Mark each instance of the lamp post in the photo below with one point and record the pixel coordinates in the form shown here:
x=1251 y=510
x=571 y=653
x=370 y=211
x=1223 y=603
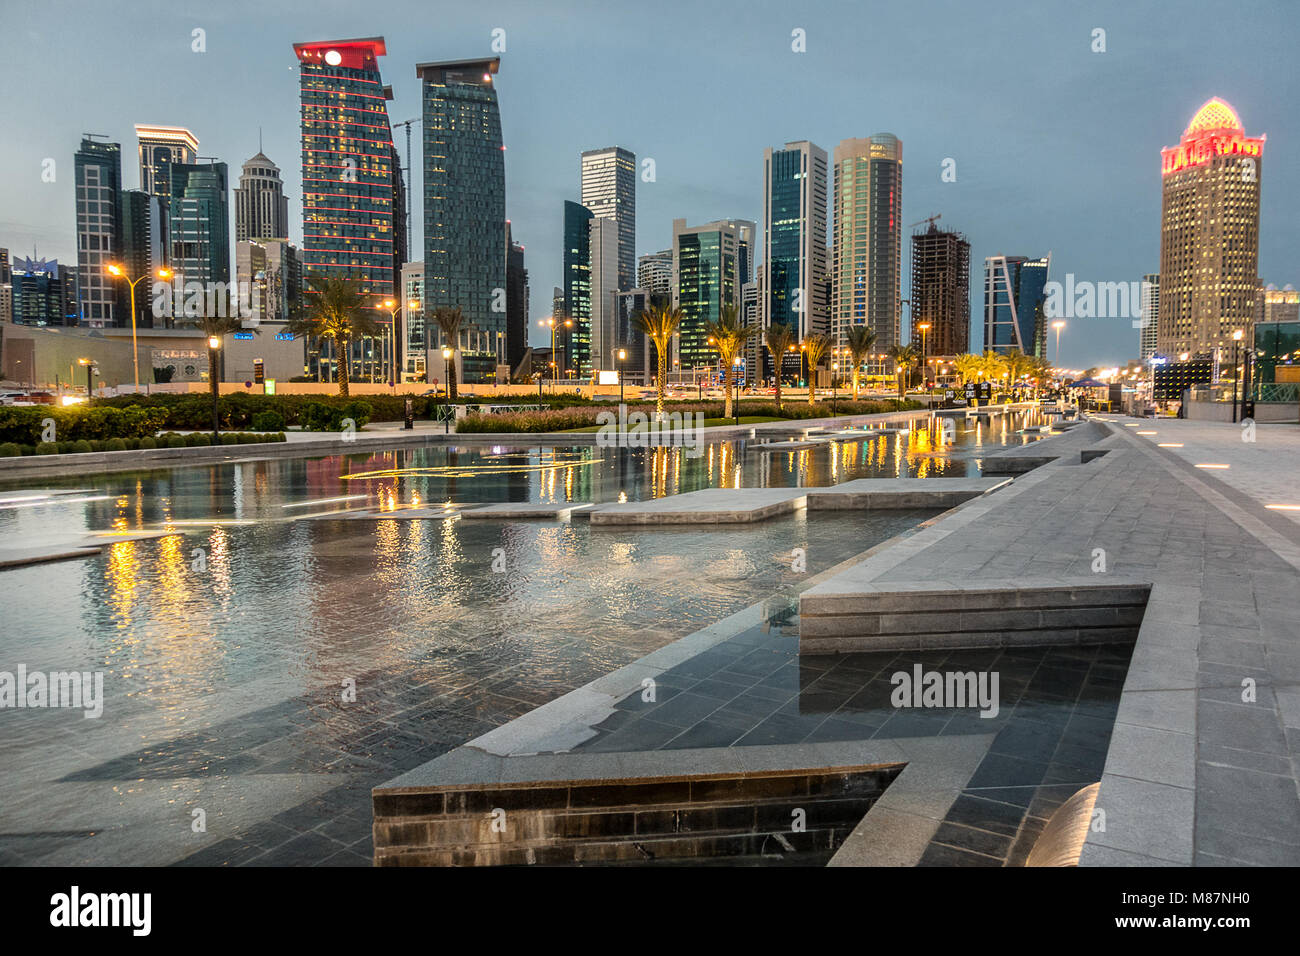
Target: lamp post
x=737 y=365
x=1057 y=326
x=119 y=272
x=1236 y=375
x=392 y=308
x=446 y=370
x=619 y=356
x=568 y=323
x=90 y=366
x=923 y=328
x=214 y=343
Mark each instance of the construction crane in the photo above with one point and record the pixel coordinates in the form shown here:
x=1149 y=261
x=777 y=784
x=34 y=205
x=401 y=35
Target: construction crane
x=930 y=220
x=408 y=124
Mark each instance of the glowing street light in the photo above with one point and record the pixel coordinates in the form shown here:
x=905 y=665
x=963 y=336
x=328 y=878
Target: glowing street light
x=119 y=272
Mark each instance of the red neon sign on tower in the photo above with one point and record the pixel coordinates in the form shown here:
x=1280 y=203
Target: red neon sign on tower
x=1213 y=131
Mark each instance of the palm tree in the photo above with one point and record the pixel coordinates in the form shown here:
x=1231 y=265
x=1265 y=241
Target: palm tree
x=730 y=337
x=859 y=340
x=450 y=322
x=660 y=322
x=968 y=366
x=778 y=338
x=815 y=346
x=992 y=365
x=335 y=311
x=904 y=356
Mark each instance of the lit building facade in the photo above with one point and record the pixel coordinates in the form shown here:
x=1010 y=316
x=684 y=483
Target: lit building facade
x=199 y=224
x=573 y=343
x=606 y=260
x=711 y=264
x=1209 y=233
x=347 y=159
x=414 y=334
x=516 y=303
x=867 y=247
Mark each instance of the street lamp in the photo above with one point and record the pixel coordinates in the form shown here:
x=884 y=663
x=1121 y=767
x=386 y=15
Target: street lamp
x=568 y=323
x=392 y=308
x=90 y=368
x=119 y=272
x=619 y=356
x=1236 y=375
x=923 y=328
x=1058 y=325
x=214 y=343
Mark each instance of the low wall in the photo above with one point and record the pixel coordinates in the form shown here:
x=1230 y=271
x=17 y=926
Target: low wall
x=1222 y=412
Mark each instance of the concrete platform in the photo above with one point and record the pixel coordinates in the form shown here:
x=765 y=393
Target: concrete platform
x=563 y=511
x=742 y=505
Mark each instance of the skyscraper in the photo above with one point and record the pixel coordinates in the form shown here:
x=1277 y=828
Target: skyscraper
x=866 y=257
x=1150 y=315
x=574 y=342
x=1209 y=232
x=160 y=147
x=347 y=157
x=606 y=259
x=261 y=208
x=1015 y=293
x=416 y=342
x=144 y=242
x=98 y=169
x=609 y=191
x=271 y=268
x=711 y=263
x=516 y=303
x=199 y=224
x=465 y=199
x=654 y=274
x=794 y=239
x=940 y=291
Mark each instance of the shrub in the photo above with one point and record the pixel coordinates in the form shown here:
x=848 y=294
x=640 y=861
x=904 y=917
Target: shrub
x=115 y=444
x=195 y=439
x=175 y=441
x=10 y=449
x=47 y=448
x=97 y=445
x=148 y=441
x=64 y=447
x=81 y=447
x=229 y=438
x=268 y=421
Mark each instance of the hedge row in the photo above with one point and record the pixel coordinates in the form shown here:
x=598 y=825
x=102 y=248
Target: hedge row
x=194 y=410
x=165 y=440
x=554 y=420
x=34 y=424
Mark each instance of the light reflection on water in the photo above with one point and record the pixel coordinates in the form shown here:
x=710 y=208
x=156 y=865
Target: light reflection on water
x=251 y=606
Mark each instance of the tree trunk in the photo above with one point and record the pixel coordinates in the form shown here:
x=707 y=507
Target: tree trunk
x=778 y=384
x=213 y=385
x=812 y=386
x=855 y=381
x=662 y=382
x=727 y=372
x=343 y=359
x=451 y=377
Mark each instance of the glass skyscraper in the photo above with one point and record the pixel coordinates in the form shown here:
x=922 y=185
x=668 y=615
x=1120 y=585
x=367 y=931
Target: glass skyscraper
x=199 y=223
x=465 y=240
x=1015 y=291
x=794 y=239
x=710 y=265
x=574 y=343
x=347 y=160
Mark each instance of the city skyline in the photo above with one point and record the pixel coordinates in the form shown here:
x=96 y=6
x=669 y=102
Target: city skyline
x=1082 y=185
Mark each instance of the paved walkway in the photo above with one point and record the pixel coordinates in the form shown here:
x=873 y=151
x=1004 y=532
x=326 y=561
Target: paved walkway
x=1263 y=464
